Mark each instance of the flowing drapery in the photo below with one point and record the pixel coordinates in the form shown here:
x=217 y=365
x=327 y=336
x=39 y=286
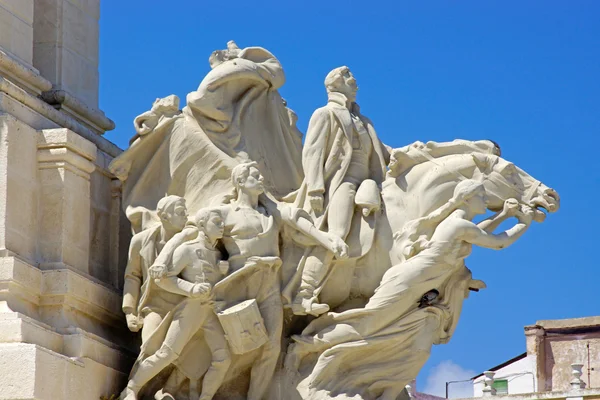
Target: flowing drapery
x=236 y=114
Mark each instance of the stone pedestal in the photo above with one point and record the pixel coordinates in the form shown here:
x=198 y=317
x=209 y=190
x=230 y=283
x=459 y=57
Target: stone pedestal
x=62 y=332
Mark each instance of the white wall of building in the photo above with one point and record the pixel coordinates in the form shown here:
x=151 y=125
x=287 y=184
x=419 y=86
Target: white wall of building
x=519 y=374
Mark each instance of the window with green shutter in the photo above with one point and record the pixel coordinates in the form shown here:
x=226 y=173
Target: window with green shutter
x=501 y=386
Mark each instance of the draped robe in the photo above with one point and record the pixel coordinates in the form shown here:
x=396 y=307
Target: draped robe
x=235 y=115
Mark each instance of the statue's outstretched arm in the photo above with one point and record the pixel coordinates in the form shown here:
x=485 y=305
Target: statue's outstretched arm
x=510 y=209
x=475 y=235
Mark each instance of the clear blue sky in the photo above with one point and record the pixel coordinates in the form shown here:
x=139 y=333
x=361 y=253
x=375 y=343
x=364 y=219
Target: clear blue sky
x=523 y=73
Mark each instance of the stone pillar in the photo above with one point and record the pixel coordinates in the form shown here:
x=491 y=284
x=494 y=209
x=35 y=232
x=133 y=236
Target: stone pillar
x=62 y=332
x=66 y=161
x=18 y=189
x=535 y=337
x=488 y=382
x=16 y=29
x=115 y=237
x=65 y=46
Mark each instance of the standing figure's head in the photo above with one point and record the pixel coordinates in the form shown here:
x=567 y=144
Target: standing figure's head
x=246 y=178
x=172 y=212
x=341 y=80
x=472 y=194
x=210 y=221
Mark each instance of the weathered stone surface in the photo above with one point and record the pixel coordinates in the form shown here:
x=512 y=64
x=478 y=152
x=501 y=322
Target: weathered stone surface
x=16 y=29
x=65 y=46
x=556 y=344
x=62 y=334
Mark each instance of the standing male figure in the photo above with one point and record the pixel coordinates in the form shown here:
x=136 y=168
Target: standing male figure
x=340 y=153
x=195 y=270
x=144 y=303
x=251 y=238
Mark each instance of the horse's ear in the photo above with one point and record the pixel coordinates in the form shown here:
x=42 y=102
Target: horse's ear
x=481 y=161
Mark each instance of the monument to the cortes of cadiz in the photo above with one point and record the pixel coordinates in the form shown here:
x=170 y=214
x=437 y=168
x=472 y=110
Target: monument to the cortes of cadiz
x=225 y=254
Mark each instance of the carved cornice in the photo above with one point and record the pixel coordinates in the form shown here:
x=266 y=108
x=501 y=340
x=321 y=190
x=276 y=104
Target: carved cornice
x=25 y=76
x=58 y=117
x=63 y=100
x=61 y=148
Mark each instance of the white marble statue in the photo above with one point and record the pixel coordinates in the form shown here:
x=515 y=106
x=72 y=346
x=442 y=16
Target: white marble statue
x=369 y=240
x=344 y=161
x=235 y=115
x=144 y=303
x=194 y=272
x=251 y=238
x=431 y=283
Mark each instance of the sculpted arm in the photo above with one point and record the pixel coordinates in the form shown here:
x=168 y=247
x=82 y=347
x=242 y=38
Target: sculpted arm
x=313 y=153
x=133 y=277
x=475 y=235
x=299 y=220
x=159 y=267
x=172 y=283
x=511 y=207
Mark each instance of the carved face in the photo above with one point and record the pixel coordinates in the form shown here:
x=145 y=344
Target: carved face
x=478 y=202
x=176 y=216
x=215 y=226
x=348 y=85
x=254 y=182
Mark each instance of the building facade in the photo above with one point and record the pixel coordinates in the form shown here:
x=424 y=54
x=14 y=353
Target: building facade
x=63 y=238
x=562 y=361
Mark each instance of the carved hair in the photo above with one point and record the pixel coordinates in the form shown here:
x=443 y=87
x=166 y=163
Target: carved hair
x=496 y=150
x=417 y=233
x=202 y=216
x=240 y=173
x=166 y=203
x=333 y=77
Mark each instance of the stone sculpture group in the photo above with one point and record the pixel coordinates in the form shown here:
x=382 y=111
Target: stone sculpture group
x=265 y=268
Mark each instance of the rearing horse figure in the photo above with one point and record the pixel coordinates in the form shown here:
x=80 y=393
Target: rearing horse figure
x=421 y=178
x=382 y=346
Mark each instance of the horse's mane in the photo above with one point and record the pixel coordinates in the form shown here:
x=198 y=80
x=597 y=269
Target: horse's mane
x=404 y=159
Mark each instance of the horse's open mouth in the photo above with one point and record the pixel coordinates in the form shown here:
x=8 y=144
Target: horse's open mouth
x=548 y=202
x=539 y=214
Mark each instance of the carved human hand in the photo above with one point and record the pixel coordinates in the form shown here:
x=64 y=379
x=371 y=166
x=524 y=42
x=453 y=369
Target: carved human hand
x=144 y=129
x=526 y=214
x=316 y=202
x=157 y=271
x=511 y=207
x=337 y=246
x=133 y=322
x=201 y=290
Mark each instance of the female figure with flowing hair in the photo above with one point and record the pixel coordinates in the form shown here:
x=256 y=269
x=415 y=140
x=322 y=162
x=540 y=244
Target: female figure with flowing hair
x=382 y=346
